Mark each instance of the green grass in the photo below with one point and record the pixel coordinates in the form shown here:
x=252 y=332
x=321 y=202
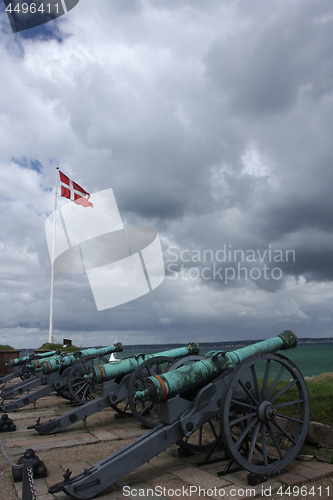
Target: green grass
x=54 y=347
x=320 y=390
x=321 y=398
x=6 y=348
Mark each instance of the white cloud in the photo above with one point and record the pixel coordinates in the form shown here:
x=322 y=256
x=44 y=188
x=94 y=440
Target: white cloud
x=164 y=321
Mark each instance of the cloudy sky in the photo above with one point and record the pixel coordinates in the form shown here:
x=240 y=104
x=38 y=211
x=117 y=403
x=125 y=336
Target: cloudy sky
x=212 y=122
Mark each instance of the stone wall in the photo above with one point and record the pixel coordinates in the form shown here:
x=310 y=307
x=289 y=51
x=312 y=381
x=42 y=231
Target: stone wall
x=5 y=357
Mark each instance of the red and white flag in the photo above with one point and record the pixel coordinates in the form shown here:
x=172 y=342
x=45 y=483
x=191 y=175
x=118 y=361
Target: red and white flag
x=74 y=192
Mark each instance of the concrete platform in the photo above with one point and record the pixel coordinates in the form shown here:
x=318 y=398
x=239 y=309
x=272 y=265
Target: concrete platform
x=166 y=476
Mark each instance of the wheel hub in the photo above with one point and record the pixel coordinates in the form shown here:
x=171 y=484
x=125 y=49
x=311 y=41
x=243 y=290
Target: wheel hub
x=266 y=411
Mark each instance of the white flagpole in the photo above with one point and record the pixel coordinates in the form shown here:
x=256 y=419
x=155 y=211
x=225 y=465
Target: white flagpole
x=51 y=337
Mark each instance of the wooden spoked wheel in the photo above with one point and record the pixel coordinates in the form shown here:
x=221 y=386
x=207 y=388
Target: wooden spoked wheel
x=144 y=410
x=81 y=389
x=265 y=413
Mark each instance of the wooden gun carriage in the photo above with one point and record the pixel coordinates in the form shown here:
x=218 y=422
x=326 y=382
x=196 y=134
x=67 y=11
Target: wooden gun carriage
x=244 y=397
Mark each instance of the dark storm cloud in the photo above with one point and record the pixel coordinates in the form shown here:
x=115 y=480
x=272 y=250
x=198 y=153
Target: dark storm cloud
x=212 y=122
x=262 y=67
x=276 y=77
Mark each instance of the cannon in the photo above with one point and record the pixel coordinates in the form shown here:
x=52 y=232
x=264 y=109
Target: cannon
x=28 y=369
x=30 y=357
x=33 y=366
x=224 y=390
x=56 y=371
x=116 y=382
x=20 y=366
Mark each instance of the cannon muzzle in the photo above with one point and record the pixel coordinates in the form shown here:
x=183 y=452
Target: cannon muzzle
x=196 y=375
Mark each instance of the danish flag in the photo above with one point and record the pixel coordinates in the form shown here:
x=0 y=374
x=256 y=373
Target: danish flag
x=74 y=192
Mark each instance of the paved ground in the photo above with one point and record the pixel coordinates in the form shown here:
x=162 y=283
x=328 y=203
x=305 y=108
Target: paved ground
x=79 y=447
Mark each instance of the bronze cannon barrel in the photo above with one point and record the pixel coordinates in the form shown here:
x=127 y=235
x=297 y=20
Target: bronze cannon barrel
x=103 y=373
x=62 y=361
x=21 y=361
x=197 y=374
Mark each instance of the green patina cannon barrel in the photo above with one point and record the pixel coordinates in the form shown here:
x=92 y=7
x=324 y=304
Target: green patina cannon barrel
x=196 y=375
x=21 y=361
x=61 y=361
x=103 y=373
x=36 y=362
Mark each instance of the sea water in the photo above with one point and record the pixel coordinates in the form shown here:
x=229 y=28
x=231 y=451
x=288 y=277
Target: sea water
x=310 y=359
